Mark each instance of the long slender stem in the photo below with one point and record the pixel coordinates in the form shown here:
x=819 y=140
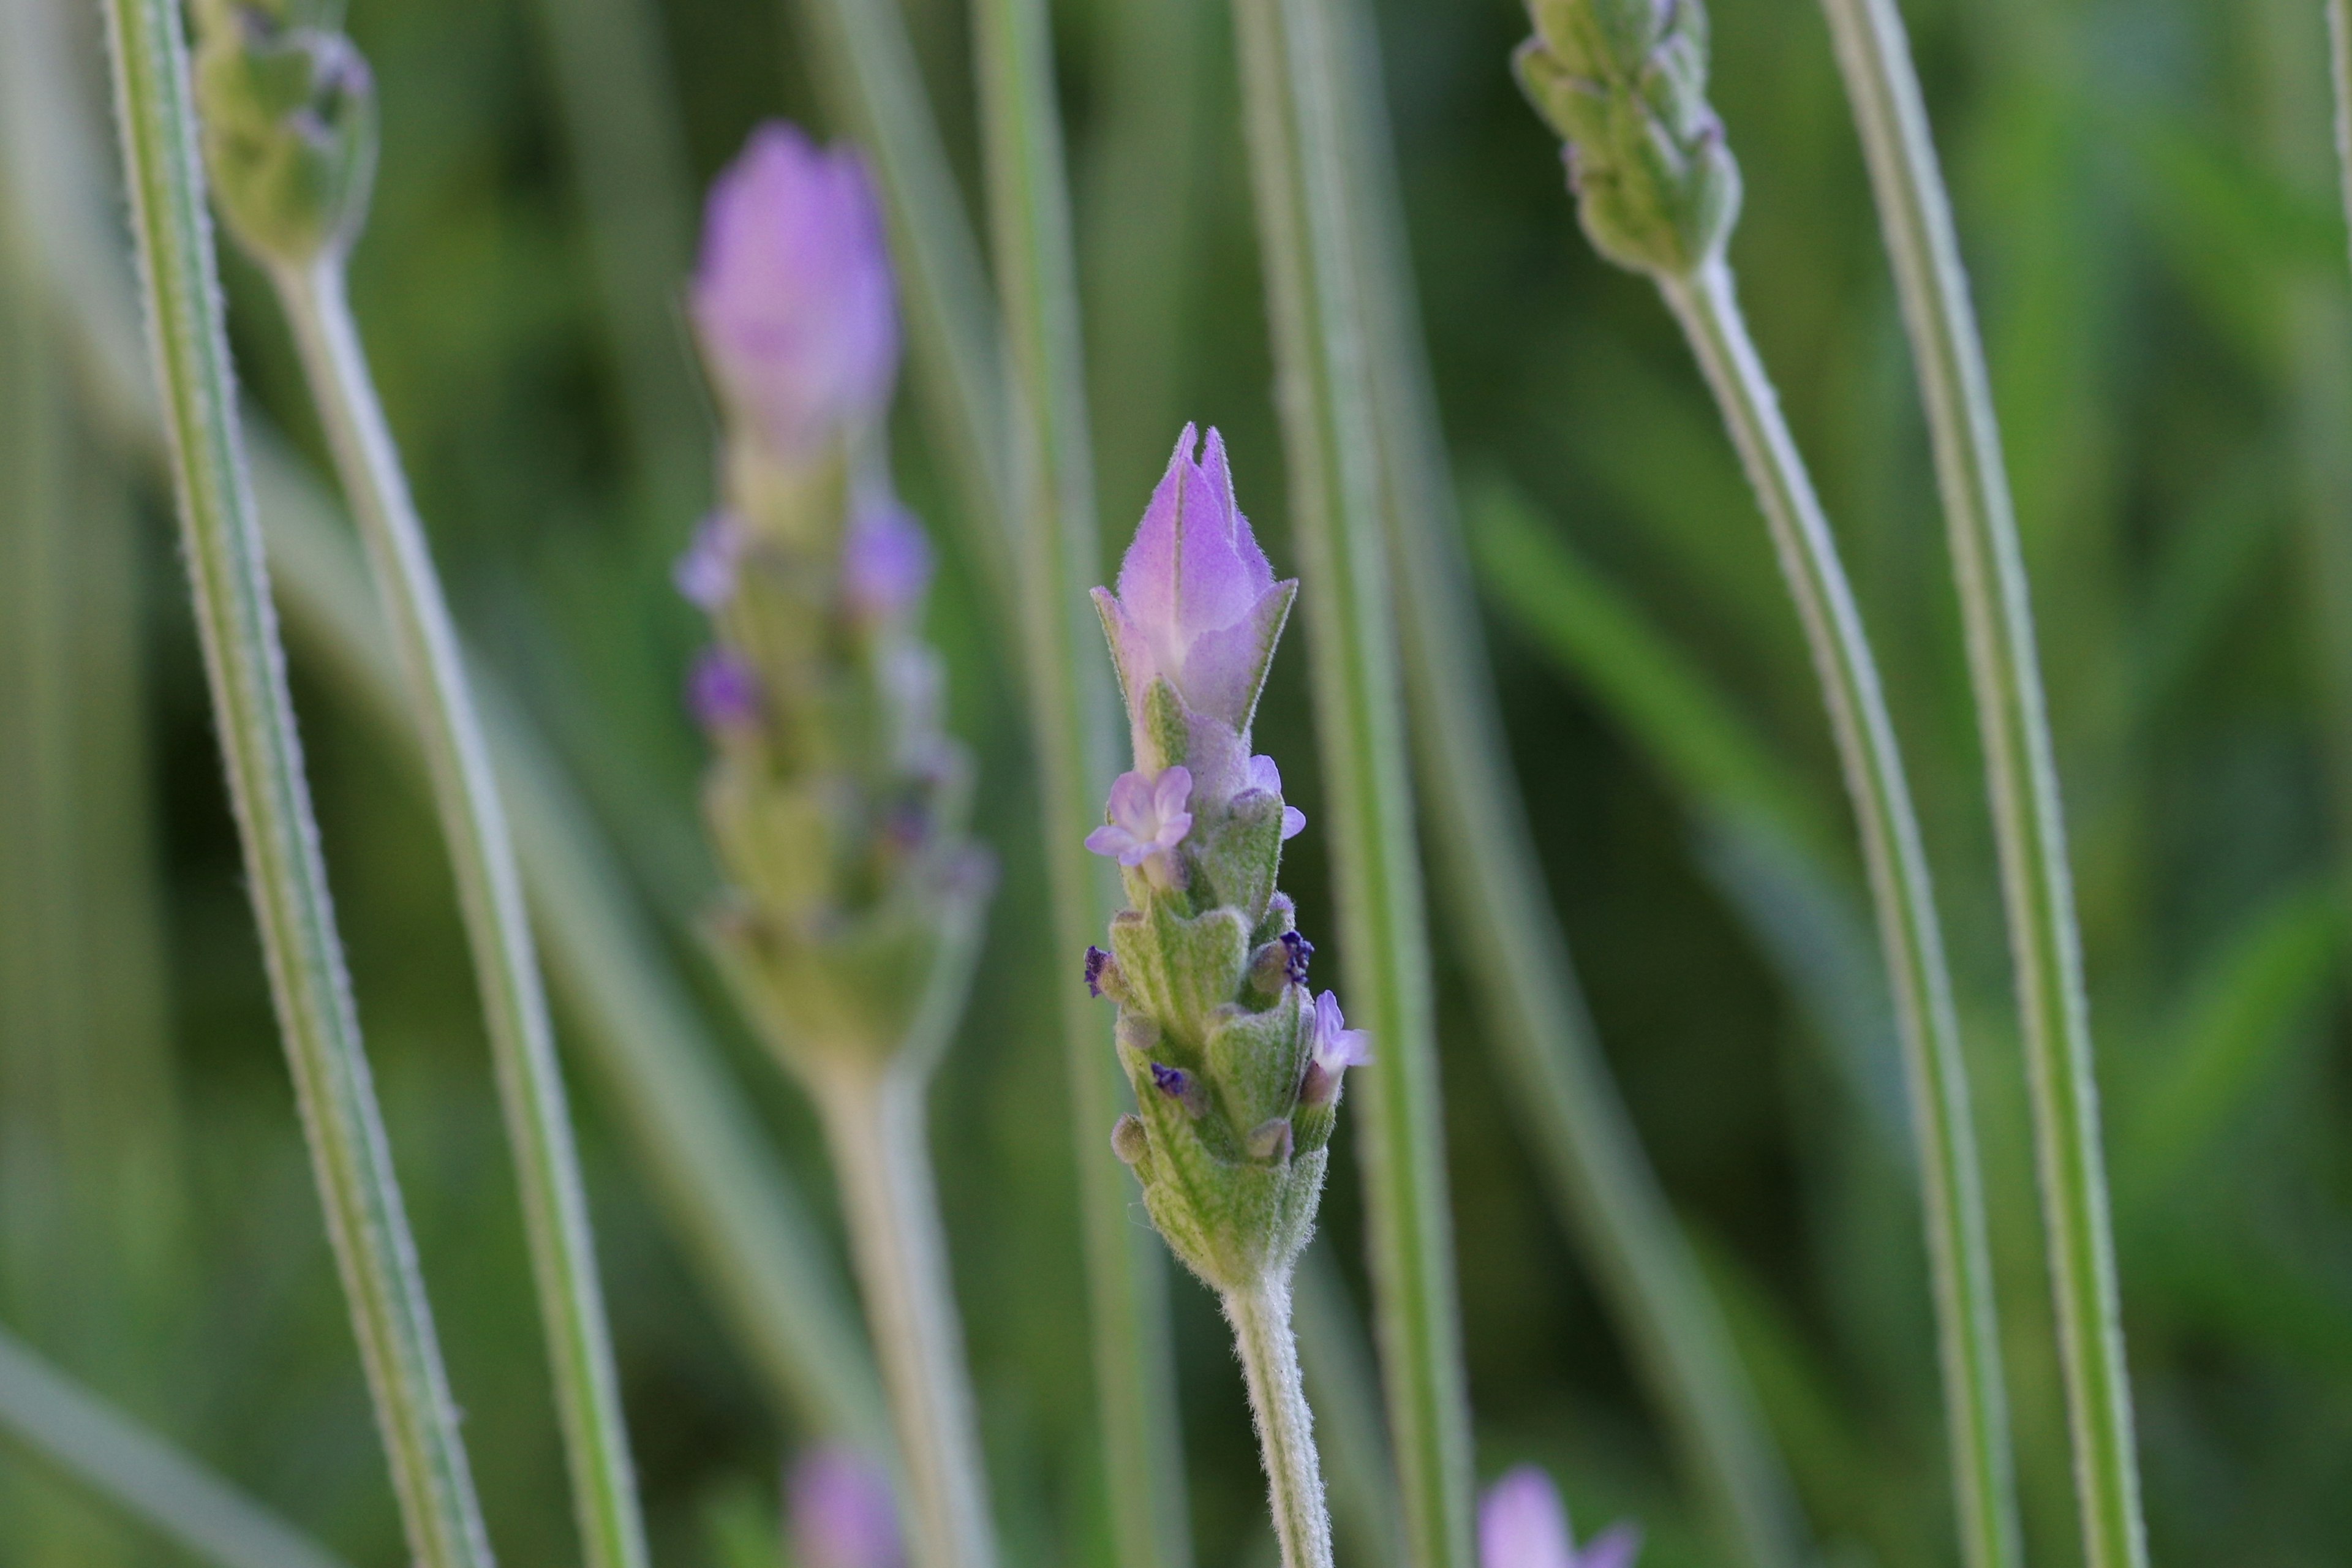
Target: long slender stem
x=2022 y=777
x=2339 y=71
x=245 y=670
x=1909 y=933
x=140 y=1473
x=1286 y=1427
x=1052 y=522
x=873 y=1124
x=1295 y=87
x=1508 y=935
x=473 y=823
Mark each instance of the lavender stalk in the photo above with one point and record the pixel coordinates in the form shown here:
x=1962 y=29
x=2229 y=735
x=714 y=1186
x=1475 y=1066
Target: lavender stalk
x=290 y=140
x=836 y=801
x=1624 y=82
x=244 y=668
x=1236 y=1070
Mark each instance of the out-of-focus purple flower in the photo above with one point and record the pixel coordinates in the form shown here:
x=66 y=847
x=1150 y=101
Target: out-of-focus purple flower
x=1265 y=775
x=840 y=1511
x=705 y=574
x=1522 y=1525
x=1147 y=819
x=1332 y=1049
x=792 y=297
x=1197 y=603
x=886 y=559
x=723 y=692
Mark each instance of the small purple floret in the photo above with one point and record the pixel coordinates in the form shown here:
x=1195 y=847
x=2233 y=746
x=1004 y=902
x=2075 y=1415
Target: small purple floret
x=1096 y=958
x=792 y=297
x=1264 y=775
x=840 y=1514
x=1147 y=819
x=1332 y=1049
x=885 y=560
x=723 y=692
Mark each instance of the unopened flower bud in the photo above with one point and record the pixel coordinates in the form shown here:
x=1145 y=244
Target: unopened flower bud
x=289 y=134
x=792 y=298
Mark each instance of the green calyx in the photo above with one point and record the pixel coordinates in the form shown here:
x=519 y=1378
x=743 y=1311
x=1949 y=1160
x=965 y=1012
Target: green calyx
x=289 y=132
x=1624 y=84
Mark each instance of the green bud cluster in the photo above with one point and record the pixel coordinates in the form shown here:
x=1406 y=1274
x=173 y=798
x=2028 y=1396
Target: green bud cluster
x=290 y=132
x=837 y=802
x=1624 y=84
x=1216 y=1032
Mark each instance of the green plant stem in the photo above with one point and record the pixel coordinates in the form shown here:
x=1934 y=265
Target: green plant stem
x=1054 y=536
x=1909 y=933
x=1344 y=1380
x=1507 y=936
x=2021 y=776
x=2339 y=71
x=1295 y=91
x=873 y=1124
x=1286 y=1427
x=245 y=670
x=473 y=823
x=145 y=1477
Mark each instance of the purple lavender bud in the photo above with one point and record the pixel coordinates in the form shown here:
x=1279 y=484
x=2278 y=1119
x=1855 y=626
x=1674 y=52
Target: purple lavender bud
x=885 y=560
x=705 y=574
x=792 y=298
x=723 y=692
x=1197 y=603
x=840 y=1510
x=1171 y=1082
x=1522 y=1525
x=1096 y=958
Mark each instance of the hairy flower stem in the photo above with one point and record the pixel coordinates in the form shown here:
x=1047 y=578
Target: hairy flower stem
x=1286 y=1427
x=2021 y=778
x=473 y=823
x=874 y=1126
x=1053 y=532
x=1908 y=928
x=1295 y=87
x=245 y=670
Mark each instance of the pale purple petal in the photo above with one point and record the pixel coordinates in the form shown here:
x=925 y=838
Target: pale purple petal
x=1112 y=842
x=1521 y=1523
x=1169 y=794
x=886 y=559
x=1264 y=775
x=841 y=1512
x=723 y=692
x=705 y=574
x=792 y=297
x=1224 y=667
x=1294 y=823
x=1338 y=1047
x=1131 y=802
x=1615 y=1547
x=1258 y=571
x=1147 y=575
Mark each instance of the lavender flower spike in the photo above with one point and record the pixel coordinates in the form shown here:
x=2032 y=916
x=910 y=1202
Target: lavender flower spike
x=1197 y=605
x=840 y=1511
x=1521 y=1524
x=792 y=298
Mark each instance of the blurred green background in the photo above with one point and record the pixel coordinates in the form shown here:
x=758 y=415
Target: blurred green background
x=2143 y=192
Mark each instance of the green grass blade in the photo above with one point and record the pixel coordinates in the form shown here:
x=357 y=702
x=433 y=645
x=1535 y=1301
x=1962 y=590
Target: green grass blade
x=1055 y=542
x=2339 y=71
x=1297 y=101
x=245 y=670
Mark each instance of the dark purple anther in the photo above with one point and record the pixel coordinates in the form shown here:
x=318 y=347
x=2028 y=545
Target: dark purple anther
x=1096 y=958
x=1171 y=1081
x=1299 y=951
x=723 y=692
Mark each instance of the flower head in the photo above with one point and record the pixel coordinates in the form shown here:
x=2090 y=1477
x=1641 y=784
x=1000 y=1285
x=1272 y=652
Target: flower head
x=1197 y=603
x=1521 y=1524
x=1332 y=1049
x=723 y=692
x=1147 y=819
x=840 y=1514
x=793 y=296
x=886 y=559
x=705 y=574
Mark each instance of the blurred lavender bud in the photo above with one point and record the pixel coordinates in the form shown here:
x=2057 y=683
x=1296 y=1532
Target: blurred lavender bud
x=705 y=574
x=1522 y=1525
x=886 y=559
x=723 y=692
x=839 y=1506
x=289 y=133
x=1624 y=82
x=1197 y=605
x=793 y=299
